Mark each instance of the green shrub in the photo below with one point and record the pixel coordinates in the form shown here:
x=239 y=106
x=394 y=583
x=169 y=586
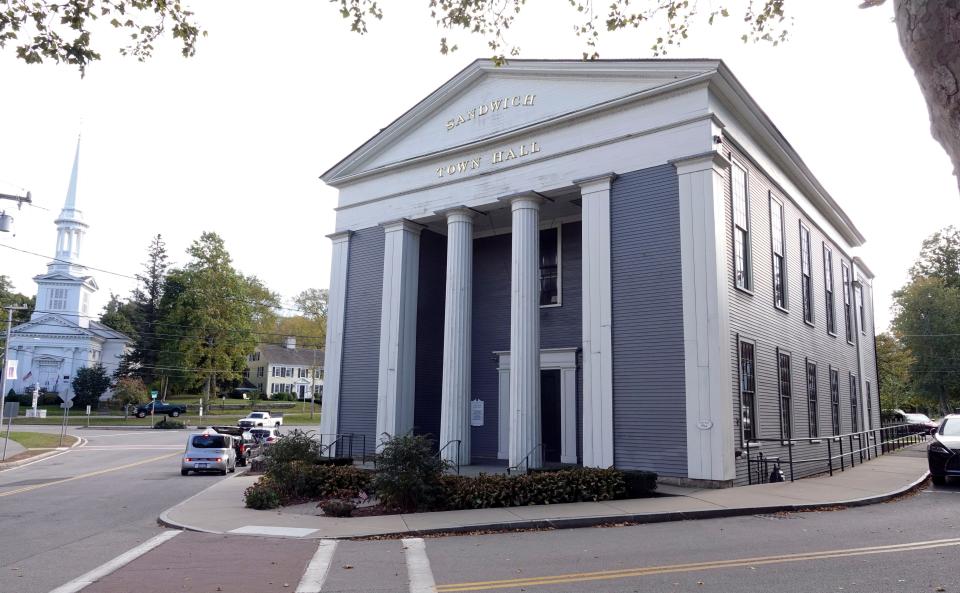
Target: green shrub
x=555 y=487
x=300 y=480
x=298 y=445
x=639 y=484
x=408 y=474
x=341 y=461
x=283 y=397
x=336 y=507
x=261 y=495
x=49 y=399
x=11 y=396
x=167 y=424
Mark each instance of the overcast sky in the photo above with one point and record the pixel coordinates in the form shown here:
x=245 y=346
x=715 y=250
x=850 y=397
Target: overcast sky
x=234 y=139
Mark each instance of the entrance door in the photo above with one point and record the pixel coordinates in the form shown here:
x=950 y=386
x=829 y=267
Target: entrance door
x=550 y=427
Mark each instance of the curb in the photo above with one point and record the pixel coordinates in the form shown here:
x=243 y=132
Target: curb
x=5 y=465
x=580 y=522
x=164 y=519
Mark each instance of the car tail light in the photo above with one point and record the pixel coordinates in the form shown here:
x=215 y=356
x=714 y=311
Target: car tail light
x=218 y=459
x=188 y=459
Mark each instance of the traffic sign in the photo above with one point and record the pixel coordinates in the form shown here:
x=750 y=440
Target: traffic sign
x=154 y=393
x=67 y=404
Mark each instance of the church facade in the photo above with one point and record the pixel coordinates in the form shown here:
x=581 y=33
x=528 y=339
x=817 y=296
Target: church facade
x=61 y=336
x=609 y=263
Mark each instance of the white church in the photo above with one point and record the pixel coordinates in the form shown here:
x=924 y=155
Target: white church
x=61 y=337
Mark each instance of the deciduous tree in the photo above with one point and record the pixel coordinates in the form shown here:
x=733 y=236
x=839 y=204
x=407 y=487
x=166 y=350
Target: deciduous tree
x=89 y=384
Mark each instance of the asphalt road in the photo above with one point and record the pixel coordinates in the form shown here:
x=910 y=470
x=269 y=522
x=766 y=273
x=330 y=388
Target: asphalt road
x=62 y=517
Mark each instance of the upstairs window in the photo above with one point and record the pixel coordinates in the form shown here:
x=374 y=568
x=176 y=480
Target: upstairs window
x=779 y=253
x=58 y=299
x=829 y=303
x=786 y=395
x=866 y=385
x=847 y=308
x=550 y=267
x=854 y=404
x=835 y=400
x=743 y=275
x=748 y=391
x=860 y=311
x=812 y=418
x=806 y=282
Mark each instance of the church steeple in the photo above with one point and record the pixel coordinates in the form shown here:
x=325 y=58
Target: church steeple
x=70 y=224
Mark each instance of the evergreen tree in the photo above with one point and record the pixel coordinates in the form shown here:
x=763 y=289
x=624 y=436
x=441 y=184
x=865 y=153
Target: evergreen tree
x=89 y=384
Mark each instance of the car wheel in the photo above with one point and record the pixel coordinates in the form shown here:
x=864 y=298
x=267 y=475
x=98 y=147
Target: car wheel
x=939 y=480
x=175 y=413
x=277 y=425
x=184 y=472
x=141 y=414
x=223 y=472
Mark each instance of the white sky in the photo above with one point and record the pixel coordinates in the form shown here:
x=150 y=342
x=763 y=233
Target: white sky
x=234 y=139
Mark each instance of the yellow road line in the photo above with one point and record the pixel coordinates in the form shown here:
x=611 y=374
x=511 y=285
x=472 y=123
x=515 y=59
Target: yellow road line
x=87 y=475
x=653 y=570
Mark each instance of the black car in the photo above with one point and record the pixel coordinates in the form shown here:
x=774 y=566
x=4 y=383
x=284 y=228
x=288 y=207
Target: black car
x=158 y=408
x=943 y=453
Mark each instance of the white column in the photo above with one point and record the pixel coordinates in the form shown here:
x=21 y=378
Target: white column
x=333 y=353
x=457 y=325
x=597 y=322
x=525 y=331
x=398 y=329
x=706 y=322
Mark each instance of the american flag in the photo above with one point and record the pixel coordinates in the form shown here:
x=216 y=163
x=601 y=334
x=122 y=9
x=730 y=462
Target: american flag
x=27 y=376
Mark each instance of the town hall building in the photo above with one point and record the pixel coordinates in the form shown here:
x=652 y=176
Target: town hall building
x=62 y=335
x=606 y=263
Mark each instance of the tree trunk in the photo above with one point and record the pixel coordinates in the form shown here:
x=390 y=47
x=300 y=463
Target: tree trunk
x=930 y=37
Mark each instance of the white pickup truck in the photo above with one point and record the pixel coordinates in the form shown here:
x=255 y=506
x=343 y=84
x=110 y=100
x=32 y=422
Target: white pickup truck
x=255 y=419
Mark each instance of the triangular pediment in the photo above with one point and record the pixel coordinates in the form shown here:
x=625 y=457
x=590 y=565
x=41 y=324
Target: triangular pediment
x=51 y=324
x=63 y=277
x=485 y=101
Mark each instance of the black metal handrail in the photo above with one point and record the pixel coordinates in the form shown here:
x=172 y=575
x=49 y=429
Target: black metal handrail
x=443 y=448
x=525 y=461
x=348 y=439
x=887 y=438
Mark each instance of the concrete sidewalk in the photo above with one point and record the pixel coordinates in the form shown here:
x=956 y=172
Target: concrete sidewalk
x=219 y=509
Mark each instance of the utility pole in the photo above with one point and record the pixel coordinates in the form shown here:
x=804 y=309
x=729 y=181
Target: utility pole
x=6 y=357
x=5 y=219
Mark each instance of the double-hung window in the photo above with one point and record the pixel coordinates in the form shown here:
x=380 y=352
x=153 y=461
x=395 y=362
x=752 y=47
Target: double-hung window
x=786 y=395
x=828 y=290
x=779 y=253
x=812 y=418
x=835 y=399
x=854 y=404
x=847 y=309
x=743 y=275
x=866 y=385
x=806 y=281
x=58 y=299
x=860 y=311
x=748 y=391
x=550 y=266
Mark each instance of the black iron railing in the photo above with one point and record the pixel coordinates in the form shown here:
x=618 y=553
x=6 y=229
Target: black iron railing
x=862 y=445
x=525 y=462
x=452 y=443
x=344 y=445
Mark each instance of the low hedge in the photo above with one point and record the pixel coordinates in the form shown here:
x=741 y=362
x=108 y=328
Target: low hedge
x=167 y=424
x=300 y=480
x=555 y=487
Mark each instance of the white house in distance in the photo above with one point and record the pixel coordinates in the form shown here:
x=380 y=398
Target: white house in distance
x=61 y=337
x=286 y=369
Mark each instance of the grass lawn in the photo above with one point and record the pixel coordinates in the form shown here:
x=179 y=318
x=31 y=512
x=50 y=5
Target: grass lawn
x=41 y=440
x=227 y=417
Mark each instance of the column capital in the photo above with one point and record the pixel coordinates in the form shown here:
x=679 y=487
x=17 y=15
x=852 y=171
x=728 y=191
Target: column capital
x=595 y=183
x=340 y=236
x=401 y=224
x=701 y=162
x=524 y=200
x=457 y=214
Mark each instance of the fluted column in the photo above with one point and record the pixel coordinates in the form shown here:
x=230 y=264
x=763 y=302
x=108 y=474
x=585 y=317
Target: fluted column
x=525 y=331
x=457 y=323
x=333 y=353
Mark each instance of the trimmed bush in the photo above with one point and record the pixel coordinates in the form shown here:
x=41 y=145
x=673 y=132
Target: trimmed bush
x=49 y=399
x=555 y=487
x=167 y=424
x=261 y=495
x=640 y=484
x=300 y=480
x=337 y=507
x=408 y=474
x=298 y=445
x=283 y=397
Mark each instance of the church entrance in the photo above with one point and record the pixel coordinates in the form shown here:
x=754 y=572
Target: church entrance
x=550 y=419
x=48 y=373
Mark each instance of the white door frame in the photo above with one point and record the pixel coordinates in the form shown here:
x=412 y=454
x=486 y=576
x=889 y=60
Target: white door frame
x=564 y=360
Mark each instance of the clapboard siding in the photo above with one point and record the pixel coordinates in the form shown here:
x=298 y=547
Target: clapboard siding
x=649 y=399
x=431 y=295
x=361 y=337
x=754 y=317
x=560 y=327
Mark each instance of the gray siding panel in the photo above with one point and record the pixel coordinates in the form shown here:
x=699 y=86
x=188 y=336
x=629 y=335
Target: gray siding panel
x=430 y=306
x=560 y=327
x=361 y=337
x=754 y=317
x=649 y=394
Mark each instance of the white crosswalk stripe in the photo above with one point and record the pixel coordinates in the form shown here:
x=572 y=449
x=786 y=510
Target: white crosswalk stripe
x=316 y=573
x=418 y=566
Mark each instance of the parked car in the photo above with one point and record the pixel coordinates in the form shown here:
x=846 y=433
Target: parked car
x=209 y=451
x=160 y=408
x=919 y=422
x=254 y=419
x=943 y=452
x=244 y=444
x=265 y=436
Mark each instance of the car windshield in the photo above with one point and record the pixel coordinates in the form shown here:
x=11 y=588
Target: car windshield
x=209 y=441
x=917 y=418
x=256 y=415
x=260 y=434
x=951 y=427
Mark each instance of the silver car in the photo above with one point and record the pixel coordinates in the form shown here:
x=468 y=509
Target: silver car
x=209 y=451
